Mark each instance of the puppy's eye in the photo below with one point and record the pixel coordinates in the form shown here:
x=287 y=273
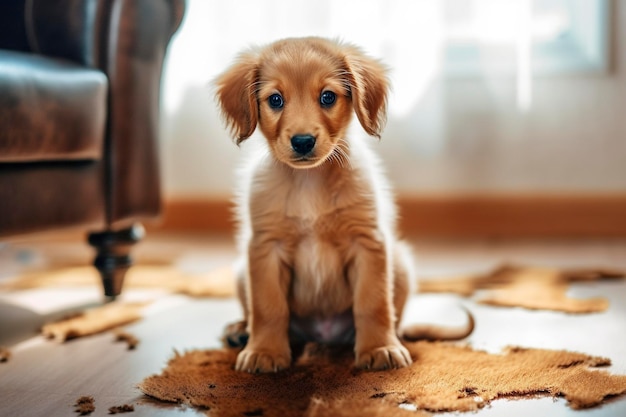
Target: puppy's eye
x=276 y=101
x=328 y=98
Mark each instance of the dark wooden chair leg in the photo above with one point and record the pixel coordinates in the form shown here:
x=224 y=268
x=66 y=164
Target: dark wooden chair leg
x=113 y=256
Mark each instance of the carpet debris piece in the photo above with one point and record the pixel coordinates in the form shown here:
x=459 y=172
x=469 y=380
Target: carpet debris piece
x=119 y=409
x=85 y=405
x=5 y=354
x=96 y=320
x=443 y=377
x=123 y=336
x=531 y=288
x=216 y=283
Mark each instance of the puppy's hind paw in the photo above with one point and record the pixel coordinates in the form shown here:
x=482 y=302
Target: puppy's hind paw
x=386 y=357
x=235 y=335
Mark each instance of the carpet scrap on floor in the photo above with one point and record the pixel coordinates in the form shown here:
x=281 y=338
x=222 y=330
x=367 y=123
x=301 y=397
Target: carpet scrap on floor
x=94 y=321
x=533 y=288
x=219 y=282
x=85 y=405
x=443 y=377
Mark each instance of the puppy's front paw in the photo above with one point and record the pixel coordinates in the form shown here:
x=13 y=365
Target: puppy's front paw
x=252 y=360
x=386 y=357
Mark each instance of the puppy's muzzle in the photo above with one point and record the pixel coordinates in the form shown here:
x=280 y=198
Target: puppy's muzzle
x=302 y=144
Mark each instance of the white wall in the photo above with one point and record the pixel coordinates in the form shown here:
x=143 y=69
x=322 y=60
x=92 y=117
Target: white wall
x=461 y=136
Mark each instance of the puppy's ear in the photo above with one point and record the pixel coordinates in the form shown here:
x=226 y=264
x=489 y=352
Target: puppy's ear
x=369 y=87
x=236 y=95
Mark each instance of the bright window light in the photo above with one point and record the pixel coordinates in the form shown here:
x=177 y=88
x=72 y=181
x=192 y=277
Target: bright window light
x=565 y=35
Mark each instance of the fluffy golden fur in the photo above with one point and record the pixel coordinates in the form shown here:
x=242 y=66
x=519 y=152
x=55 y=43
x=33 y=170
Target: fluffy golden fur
x=321 y=259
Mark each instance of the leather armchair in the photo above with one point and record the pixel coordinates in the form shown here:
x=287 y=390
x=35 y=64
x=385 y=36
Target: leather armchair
x=79 y=120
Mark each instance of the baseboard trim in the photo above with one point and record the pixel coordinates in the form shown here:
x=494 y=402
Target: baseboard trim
x=516 y=216
x=455 y=216
x=197 y=215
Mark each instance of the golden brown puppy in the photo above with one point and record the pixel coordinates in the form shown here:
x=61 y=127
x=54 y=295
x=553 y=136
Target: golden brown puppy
x=317 y=222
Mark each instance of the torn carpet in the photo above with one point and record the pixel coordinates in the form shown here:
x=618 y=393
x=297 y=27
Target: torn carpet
x=443 y=377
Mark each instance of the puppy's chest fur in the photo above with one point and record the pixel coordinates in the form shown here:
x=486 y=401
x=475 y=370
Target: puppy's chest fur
x=315 y=214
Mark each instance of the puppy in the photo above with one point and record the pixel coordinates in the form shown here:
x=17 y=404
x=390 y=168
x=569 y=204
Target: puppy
x=321 y=260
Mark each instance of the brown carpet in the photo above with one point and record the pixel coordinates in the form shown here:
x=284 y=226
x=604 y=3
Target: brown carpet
x=531 y=288
x=444 y=377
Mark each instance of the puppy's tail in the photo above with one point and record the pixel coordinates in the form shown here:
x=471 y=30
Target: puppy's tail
x=417 y=332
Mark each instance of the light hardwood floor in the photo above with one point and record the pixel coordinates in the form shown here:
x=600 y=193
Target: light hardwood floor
x=44 y=378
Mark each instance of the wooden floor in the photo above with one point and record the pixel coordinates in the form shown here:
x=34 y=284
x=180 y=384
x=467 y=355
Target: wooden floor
x=44 y=378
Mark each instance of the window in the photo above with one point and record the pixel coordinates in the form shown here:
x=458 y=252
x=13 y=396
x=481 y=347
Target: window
x=547 y=36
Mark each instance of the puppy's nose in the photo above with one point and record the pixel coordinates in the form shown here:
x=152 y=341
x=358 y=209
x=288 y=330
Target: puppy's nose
x=302 y=144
